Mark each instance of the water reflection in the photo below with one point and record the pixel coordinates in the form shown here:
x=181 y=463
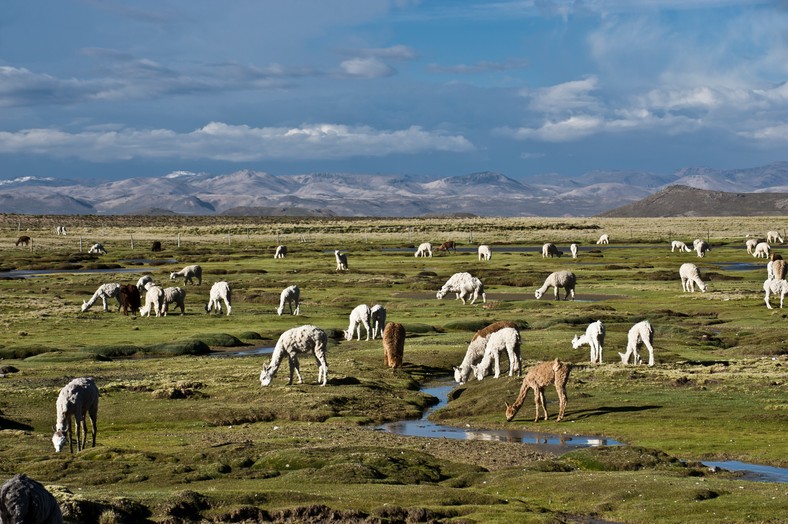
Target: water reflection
x=251 y=352
x=754 y=472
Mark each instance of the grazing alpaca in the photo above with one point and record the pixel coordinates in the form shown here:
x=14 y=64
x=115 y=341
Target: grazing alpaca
x=476 y=348
x=680 y=246
x=289 y=294
x=689 y=277
x=25 y=501
x=173 y=295
x=762 y=250
x=424 y=250
x=156 y=246
x=97 y=249
x=302 y=339
x=24 y=239
x=504 y=339
x=773 y=237
x=484 y=252
x=603 y=239
x=78 y=399
x=751 y=243
x=701 y=246
x=393 y=344
x=142 y=281
x=557 y=279
x=129 y=296
x=360 y=315
x=537 y=378
x=549 y=250
x=573 y=250
x=188 y=273
x=341 y=260
x=104 y=292
x=777 y=287
x=640 y=332
x=776 y=267
x=377 y=319
x=154 y=296
x=60 y=230
x=449 y=245
x=595 y=338
x=464 y=285
x=220 y=291
x=281 y=252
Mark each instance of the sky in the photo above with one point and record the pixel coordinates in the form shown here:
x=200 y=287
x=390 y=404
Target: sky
x=111 y=89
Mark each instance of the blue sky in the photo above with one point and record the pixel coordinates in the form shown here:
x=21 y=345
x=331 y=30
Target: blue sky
x=107 y=89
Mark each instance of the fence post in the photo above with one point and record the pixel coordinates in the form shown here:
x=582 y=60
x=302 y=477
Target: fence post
x=132 y=242
x=179 y=240
x=80 y=243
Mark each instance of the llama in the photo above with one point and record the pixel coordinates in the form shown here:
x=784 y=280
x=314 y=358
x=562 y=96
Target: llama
x=25 y=501
x=173 y=295
x=154 y=296
x=129 y=297
x=701 y=247
x=341 y=260
x=377 y=319
x=60 y=230
x=751 y=243
x=464 y=285
x=156 y=246
x=359 y=316
x=447 y=246
x=475 y=350
x=689 y=277
x=504 y=339
x=104 y=292
x=573 y=250
x=78 y=399
x=595 y=338
x=537 y=378
x=424 y=250
x=549 y=250
x=773 y=237
x=97 y=249
x=762 y=250
x=484 y=252
x=281 y=252
x=776 y=267
x=776 y=287
x=302 y=339
x=557 y=279
x=603 y=239
x=142 y=281
x=24 y=240
x=188 y=273
x=393 y=344
x=678 y=245
x=220 y=291
x=640 y=332
x=289 y=294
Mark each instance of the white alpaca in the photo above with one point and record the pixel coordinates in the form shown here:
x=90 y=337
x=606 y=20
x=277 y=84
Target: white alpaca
x=78 y=399
x=60 y=230
x=573 y=250
x=776 y=267
x=97 y=249
x=776 y=287
x=465 y=286
x=141 y=283
x=341 y=260
x=154 y=296
x=549 y=250
x=751 y=243
x=771 y=237
x=640 y=332
x=220 y=291
x=689 y=277
x=173 y=295
x=377 y=318
x=507 y=339
x=302 y=339
x=475 y=350
x=680 y=246
x=104 y=292
x=595 y=338
x=701 y=246
x=484 y=252
x=289 y=295
x=360 y=316
x=424 y=250
x=603 y=239
x=189 y=272
x=281 y=252
x=24 y=500
x=558 y=279
x=761 y=250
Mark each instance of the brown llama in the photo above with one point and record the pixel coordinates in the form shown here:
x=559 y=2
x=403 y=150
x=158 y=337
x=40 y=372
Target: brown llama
x=447 y=246
x=24 y=239
x=393 y=344
x=129 y=298
x=156 y=246
x=537 y=378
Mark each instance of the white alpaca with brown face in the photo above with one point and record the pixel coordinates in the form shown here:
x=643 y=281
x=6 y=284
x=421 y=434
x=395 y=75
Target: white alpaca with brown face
x=475 y=350
x=294 y=342
x=537 y=378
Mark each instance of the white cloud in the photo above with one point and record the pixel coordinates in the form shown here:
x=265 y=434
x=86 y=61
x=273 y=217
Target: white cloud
x=366 y=67
x=479 y=67
x=568 y=96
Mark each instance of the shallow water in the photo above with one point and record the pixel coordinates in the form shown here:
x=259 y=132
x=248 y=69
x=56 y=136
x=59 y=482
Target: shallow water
x=29 y=273
x=740 y=266
x=754 y=472
x=253 y=352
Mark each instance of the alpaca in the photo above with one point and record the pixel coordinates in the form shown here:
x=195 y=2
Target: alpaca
x=60 y=230
x=573 y=250
x=751 y=243
x=537 y=378
x=504 y=339
x=220 y=291
x=603 y=239
x=377 y=319
x=701 y=246
x=680 y=246
x=689 y=277
x=281 y=252
x=188 y=273
x=776 y=267
x=359 y=316
x=25 y=501
x=154 y=296
x=595 y=338
x=129 y=297
x=142 y=281
x=464 y=285
x=97 y=249
x=341 y=260
x=773 y=237
x=393 y=344
x=557 y=279
x=289 y=294
x=475 y=350
x=776 y=287
x=484 y=252
x=549 y=250
x=640 y=332
x=173 y=295
x=449 y=245
x=424 y=250
x=104 y=292
x=156 y=246
x=78 y=399
x=761 y=250
x=24 y=239
x=302 y=339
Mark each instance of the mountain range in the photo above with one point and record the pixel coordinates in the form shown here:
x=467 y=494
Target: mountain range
x=247 y=192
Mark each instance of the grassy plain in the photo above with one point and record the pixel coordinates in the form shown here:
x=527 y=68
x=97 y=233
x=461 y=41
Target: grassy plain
x=185 y=436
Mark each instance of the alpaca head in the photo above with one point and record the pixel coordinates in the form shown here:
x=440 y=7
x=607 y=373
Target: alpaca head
x=576 y=342
x=173 y=275
x=85 y=306
x=538 y=294
x=458 y=376
x=266 y=375
x=702 y=286
x=478 y=372
x=510 y=412
x=59 y=440
x=348 y=334
x=441 y=293
x=281 y=310
x=623 y=357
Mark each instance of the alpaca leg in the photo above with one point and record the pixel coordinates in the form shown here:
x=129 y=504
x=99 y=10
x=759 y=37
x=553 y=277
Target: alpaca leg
x=561 y=401
x=296 y=367
x=366 y=328
x=497 y=364
x=572 y=293
x=650 y=352
x=537 y=393
x=93 y=426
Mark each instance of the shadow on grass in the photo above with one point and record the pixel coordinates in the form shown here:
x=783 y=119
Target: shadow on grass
x=607 y=410
x=12 y=424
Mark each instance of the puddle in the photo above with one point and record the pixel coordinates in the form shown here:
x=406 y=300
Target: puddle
x=253 y=352
x=148 y=261
x=29 y=273
x=753 y=472
x=740 y=266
